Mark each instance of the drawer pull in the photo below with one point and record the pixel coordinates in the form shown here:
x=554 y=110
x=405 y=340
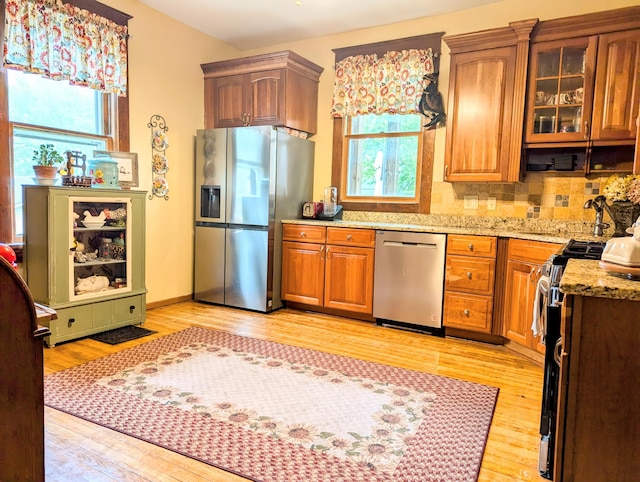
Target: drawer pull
x=132 y=309
x=302 y=234
x=349 y=237
x=469 y=274
x=556 y=351
x=470 y=246
x=466 y=312
x=71 y=321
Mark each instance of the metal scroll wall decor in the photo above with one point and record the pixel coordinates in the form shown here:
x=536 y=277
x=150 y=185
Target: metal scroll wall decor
x=160 y=165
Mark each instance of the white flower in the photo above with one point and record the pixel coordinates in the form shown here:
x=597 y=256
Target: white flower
x=617 y=187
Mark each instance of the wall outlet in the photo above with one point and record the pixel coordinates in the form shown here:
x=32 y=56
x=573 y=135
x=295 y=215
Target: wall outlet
x=491 y=204
x=471 y=202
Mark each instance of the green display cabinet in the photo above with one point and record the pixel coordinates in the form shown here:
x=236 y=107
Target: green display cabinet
x=84 y=257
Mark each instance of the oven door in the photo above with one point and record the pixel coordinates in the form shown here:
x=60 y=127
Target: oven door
x=550 y=392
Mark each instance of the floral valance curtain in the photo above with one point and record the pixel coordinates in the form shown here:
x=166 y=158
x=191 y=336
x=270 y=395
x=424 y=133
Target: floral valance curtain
x=367 y=84
x=63 y=42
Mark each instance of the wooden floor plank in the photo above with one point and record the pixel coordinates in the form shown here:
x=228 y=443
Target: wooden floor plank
x=81 y=451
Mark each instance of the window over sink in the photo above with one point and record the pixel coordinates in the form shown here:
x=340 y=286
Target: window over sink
x=383 y=156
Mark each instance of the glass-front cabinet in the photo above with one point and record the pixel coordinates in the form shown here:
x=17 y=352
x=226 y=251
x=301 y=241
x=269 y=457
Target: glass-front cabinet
x=560 y=91
x=99 y=245
x=84 y=257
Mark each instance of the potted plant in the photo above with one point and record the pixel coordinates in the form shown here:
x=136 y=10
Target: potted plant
x=46 y=161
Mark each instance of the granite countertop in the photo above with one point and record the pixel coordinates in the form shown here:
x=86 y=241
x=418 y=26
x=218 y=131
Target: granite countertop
x=584 y=277
x=505 y=231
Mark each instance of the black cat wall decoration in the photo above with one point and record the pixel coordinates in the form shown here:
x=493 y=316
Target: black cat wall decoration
x=431 y=105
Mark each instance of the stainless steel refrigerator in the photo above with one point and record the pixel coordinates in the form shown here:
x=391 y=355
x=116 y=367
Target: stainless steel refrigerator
x=248 y=179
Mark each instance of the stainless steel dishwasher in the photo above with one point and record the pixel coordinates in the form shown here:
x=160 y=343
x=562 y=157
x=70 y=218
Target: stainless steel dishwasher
x=408 y=286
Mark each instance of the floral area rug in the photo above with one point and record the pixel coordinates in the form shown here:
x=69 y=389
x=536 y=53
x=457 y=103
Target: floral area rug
x=273 y=412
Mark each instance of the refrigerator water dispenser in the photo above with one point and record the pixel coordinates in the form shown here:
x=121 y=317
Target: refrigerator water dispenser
x=210 y=202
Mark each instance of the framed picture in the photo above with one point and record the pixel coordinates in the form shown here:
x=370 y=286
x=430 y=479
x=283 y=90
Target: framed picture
x=127 y=167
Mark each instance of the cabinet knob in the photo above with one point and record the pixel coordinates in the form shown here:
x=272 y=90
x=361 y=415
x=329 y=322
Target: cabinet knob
x=466 y=312
x=132 y=308
x=71 y=321
x=469 y=274
x=349 y=237
x=470 y=246
x=302 y=234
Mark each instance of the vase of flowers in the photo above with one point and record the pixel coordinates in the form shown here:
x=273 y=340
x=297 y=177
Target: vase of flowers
x=623 y=192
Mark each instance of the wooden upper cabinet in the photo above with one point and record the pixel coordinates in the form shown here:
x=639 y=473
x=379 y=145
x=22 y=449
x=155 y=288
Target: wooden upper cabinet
x=267 y=99
x=486 y=103
x=279 y=89
x=230 y=100
x=561 y=90
x=617 y=88
x=584 y=89
x=480 y=108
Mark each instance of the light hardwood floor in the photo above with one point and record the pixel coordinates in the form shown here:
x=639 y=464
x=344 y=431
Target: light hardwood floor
x=77 y=450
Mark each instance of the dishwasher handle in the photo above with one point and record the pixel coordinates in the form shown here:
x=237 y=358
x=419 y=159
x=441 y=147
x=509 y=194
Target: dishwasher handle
x=409 y=243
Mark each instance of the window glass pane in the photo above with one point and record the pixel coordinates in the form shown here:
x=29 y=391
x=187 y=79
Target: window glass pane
x=38 y=101
x=25 y=141
x=384 y=166
x=385 y=123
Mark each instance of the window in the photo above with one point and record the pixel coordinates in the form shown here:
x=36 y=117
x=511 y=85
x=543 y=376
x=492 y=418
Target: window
x=43 y=111
x=381 y=157
x=34 y=110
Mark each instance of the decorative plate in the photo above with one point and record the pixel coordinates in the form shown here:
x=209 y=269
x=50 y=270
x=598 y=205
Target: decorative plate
x=160 y=164
x=159 y=141
x=160 y=186
x=92 y=224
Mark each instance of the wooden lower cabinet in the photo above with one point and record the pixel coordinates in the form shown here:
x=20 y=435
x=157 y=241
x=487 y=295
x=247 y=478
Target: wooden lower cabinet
x=524 y=269
x=597 y=438
x=303 y=272
x=328 y=267
x=469 y=282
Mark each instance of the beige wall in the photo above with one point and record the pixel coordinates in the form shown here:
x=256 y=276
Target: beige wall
x=166 y=79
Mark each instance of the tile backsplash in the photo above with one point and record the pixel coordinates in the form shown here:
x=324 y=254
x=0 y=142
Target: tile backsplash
x=546 y=196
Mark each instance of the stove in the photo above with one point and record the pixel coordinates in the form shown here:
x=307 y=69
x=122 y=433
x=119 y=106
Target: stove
x=552 y=307
x=583 y=249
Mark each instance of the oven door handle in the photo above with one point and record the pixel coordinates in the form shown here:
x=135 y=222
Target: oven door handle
x=556 y=351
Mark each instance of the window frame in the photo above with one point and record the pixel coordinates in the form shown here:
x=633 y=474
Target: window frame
x=397 y=205
x=348 y=136
x=119 y=127
x=422 y=203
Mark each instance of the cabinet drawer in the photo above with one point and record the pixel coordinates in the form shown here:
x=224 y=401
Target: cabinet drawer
x=72 y=321
x=468 y=312
x=128 y=309
x=471 y=245
x=303 y=233
x=351 y=237
x=470 y=274
x=531 y=251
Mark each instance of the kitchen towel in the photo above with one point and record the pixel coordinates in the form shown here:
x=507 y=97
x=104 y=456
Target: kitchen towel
x=539 y=308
